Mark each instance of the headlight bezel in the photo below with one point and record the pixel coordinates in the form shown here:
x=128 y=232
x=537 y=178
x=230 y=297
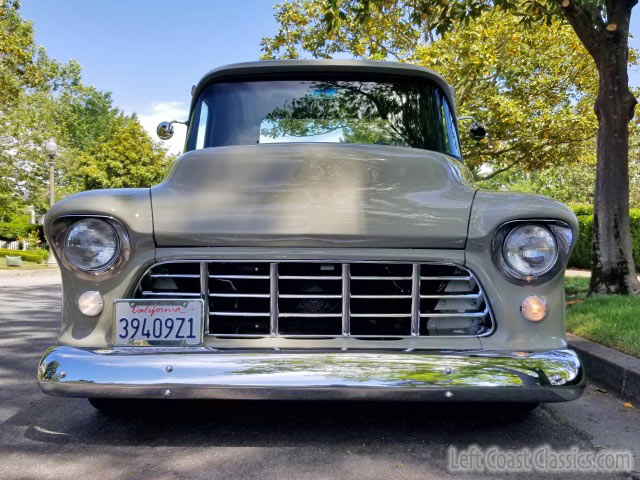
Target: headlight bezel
x=560 y=230
x=61 y=228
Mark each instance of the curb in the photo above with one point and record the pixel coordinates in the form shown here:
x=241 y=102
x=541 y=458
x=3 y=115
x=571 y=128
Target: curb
x=618 y=372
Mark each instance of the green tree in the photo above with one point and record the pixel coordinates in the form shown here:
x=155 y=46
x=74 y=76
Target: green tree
x=41 y=98
x=602 y=27
x=536 y=102
x=128 y=158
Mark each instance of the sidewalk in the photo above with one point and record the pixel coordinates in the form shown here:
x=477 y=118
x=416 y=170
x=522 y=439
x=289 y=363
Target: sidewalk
x=575 y=272
x=27 y=278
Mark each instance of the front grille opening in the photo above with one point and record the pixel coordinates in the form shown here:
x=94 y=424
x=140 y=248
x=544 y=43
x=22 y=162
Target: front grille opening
x=325 y=299
x=310 y=306
x=454 y=326
x=309 y=287
x=296 y=269
x=238 y=286
x=238 y=304
x=172 y=280
x=238 y=268
x=322 y=326
x=374 y=305
x=380 y=287
x=233 y=325
x=381 y=270
x=381 y=326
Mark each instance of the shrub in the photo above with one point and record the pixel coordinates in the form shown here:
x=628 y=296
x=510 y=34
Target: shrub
x=583 y=251
x=580 y=209
x=14 y=230
x=37 y=256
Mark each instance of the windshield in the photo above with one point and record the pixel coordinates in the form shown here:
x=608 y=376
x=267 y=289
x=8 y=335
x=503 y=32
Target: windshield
x=410 y=113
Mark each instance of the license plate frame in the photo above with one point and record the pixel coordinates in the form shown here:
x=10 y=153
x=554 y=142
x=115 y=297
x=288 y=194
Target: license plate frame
x=181 y=306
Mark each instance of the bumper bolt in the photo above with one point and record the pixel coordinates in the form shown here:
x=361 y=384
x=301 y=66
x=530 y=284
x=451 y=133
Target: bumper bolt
x=447 y=370
x=448 y=394
x=167 y=393
x=62 y=374
x=169 y=369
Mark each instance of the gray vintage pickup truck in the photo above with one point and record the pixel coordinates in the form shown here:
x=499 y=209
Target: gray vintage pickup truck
x=319 y=239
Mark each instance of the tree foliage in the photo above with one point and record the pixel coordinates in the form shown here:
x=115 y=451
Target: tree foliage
x=40 y=98
x=602 y=27
x=127 y=158
x=534 y=94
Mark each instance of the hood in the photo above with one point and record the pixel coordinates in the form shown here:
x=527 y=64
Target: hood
x=312 y=195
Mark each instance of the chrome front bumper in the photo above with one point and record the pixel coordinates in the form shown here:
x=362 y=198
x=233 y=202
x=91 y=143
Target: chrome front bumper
x=153 y=372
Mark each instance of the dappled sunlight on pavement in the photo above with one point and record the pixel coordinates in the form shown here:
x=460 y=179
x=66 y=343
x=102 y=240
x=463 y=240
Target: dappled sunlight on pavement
x=55 y=437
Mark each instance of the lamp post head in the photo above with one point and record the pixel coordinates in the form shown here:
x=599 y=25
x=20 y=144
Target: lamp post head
x=51 y=147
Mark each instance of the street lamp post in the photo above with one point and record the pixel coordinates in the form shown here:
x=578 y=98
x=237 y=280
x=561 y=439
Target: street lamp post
x=51 y=149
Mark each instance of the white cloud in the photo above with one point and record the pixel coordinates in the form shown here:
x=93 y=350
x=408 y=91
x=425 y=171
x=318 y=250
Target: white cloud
x=166 y=111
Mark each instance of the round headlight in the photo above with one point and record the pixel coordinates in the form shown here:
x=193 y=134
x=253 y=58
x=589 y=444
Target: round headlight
x=91 y=244
x=530 y=250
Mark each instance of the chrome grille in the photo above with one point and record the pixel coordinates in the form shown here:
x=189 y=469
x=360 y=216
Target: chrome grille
x=327 y=299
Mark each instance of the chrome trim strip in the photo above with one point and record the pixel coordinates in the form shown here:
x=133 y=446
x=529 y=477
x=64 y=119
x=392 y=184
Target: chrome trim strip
x=309 y=277
x=239 y=277
x=204 y=292
x=238 y=314
x=415 y=300
x=390 y=297
x=455 y=314
x=175 y=275
x=240 y=295
x=201 y=372
x=169 y=294
x=346 y=299
x=301 y=295
x=273 y=295
x=454 y=296
x=377 y=277
x=449 y=278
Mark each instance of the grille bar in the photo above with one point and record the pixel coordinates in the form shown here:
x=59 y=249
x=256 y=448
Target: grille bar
x=273 y=299
x=415 y=300
x=170 y=294
x=240 y=295
x=346 y=300
x=316 y=299
x=238 y=314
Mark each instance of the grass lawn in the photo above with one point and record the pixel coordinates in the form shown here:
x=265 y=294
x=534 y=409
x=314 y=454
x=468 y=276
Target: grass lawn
x=611 y=320
x=25 y=265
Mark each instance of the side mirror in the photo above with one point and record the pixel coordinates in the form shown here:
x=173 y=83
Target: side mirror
x=477 y=131
x=165 y=130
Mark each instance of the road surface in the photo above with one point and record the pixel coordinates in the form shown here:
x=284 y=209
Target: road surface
x=52 y=437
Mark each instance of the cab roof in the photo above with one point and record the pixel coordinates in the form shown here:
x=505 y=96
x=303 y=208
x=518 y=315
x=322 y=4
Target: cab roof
x=277 y=67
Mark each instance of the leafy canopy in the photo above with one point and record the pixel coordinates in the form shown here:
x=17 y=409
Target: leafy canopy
x=534 y=86
x=40 y=98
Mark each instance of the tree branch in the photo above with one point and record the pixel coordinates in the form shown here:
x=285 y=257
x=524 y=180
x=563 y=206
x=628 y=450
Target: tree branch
x=497 y=172
x=583 y=24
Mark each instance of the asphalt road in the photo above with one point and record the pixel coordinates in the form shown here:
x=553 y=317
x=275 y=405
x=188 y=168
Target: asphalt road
x=51 y=437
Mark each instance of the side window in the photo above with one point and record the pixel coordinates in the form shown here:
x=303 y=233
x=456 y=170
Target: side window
x=202 y=125
x=453 y=147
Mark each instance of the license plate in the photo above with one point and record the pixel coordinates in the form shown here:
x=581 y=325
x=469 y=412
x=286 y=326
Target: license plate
x=158 y=322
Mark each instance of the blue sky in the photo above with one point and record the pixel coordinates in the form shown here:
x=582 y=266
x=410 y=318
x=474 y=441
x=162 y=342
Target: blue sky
x=148 y=54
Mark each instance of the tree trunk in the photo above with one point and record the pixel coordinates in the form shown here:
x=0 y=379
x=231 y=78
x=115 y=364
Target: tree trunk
x=606 y=38
x=613 y=270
